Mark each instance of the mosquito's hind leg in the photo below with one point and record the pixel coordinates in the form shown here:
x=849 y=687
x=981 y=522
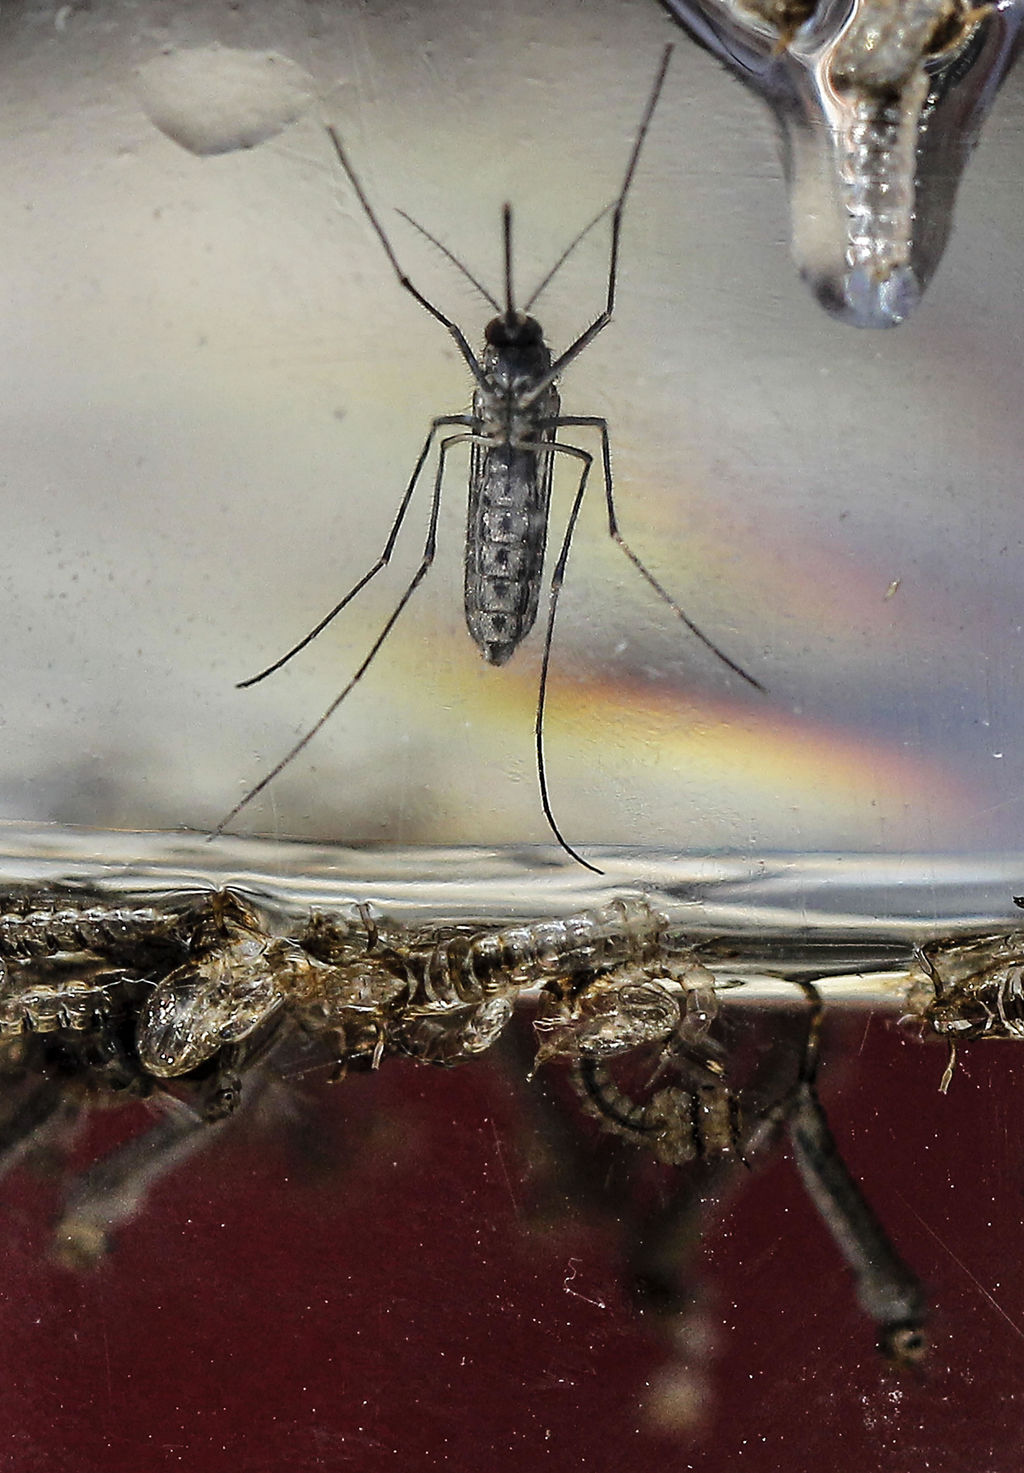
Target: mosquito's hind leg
x=382 y=561
x=552 y=447
x=558 y=576
x=594 y=422
x=429 y=548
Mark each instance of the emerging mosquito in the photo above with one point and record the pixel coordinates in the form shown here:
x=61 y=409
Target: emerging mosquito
x=511 y=429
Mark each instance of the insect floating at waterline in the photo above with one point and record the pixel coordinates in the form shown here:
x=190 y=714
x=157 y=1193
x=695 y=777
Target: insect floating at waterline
x=203 y=1008
x=973 y=987
x=511 y=434
x=207 y=1006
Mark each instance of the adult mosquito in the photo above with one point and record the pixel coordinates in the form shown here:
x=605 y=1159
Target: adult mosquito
x=510 y=429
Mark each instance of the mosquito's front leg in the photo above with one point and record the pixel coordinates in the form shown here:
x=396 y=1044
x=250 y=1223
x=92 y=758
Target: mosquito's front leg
x=603 y=318
x=458 y=336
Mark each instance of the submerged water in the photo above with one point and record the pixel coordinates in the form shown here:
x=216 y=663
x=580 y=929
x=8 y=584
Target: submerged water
x=417 y=1262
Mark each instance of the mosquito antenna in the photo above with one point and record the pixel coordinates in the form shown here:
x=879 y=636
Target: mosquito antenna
x=449 y=255
x=506 y=230
x=603 y=318
x=566 y=254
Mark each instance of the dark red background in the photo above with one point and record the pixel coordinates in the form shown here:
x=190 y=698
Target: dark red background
x=378 y=1303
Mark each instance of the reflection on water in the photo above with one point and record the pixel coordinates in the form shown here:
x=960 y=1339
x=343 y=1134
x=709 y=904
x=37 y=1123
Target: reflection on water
x=632 y=1101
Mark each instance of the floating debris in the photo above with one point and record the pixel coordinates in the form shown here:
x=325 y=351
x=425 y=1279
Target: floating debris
x=971 y=989
x=203 y=1008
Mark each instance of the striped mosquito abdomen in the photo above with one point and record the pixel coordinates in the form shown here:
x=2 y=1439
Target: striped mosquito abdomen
x=506 y=535
x=509 y=488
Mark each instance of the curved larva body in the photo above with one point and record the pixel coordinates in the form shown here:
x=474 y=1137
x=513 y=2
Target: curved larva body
x=879 y=104
x=677 y=1124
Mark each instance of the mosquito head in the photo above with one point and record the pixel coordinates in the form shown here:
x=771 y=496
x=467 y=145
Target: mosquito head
x=513 y=330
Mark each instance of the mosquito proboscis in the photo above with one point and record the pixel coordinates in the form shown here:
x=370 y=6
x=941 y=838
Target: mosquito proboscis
x=510 y=429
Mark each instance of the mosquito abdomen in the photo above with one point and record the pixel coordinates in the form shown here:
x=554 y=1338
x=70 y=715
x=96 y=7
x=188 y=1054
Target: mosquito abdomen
x=506 y=533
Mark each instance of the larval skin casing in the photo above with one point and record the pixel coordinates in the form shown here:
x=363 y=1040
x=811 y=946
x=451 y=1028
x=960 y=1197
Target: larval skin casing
x=878 y=104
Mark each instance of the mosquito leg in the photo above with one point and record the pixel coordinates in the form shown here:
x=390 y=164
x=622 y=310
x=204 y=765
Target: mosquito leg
x=603 y=318
x=382 y=561
x=585 y=421
x=417 y=578
x=456 y=332
x=557 y=579
x=887 y=1290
